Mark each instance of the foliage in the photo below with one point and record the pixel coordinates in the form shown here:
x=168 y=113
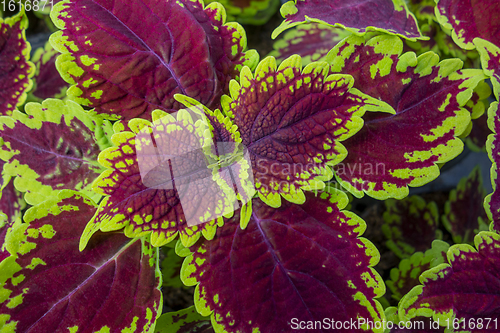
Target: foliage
x=47 y=284
x=410 y=225
x=381 y=162
x=354 y=17
x=447 y=291
x=405 y=276
x=133 y=107
x=47 y=82
x=15 y=66
x=464 y=215
x=249 y=11
x=311 y=41
x=151 y=60
x=284 y=242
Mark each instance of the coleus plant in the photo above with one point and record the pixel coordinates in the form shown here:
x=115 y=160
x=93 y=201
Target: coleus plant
x=82 y=231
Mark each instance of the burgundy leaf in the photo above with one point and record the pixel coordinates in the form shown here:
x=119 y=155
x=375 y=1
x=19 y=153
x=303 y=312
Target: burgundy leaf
x=48 y=81
x=405 y=276
x=464 y=214
x=414 y=325
x=394 y=151
x=11 y=204
x=410 y=225
x=143 y=208
x=490 y=62
x=492 y=201
x=469 y=19
x=311 y=42
x=15 y=68
x=48 y=285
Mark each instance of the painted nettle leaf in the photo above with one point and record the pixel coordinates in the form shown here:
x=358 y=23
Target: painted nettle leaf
x=292 y=122
x=15 y=68
x=394 y=151
x=468 y=19
x=464 y=215
x=410 y=225
x=146 y=153
x=443 y=45
x=184 y=321
x=476 y=140
x=11 y=205
x=11 y=200
x=127 y=65
x=48 y=83
x=53 y=146
x=430 y=30
x=490 y=61
x=439 y=42
x=151 y=204
x=414 y=325
x=171 y=268
x=450 y=49
x=423 y=9
x=255 y=12
x=492 y=201
x=221 y=126
x=306 y=262
x=405 y=276
x=48 y=285
x=5 y=224
x=463 y=291
x=311 y=42
x=478 y=103
x=390 y=16
x=477 y=132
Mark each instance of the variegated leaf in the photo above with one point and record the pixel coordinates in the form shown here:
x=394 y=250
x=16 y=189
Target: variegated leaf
x=405 y=276
x=394 y=151
x=311 y=42
x=411 y=224
x=297 y=263
x=48 y=285
x=464 y=215
x=464 y=291
x=127 y=65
